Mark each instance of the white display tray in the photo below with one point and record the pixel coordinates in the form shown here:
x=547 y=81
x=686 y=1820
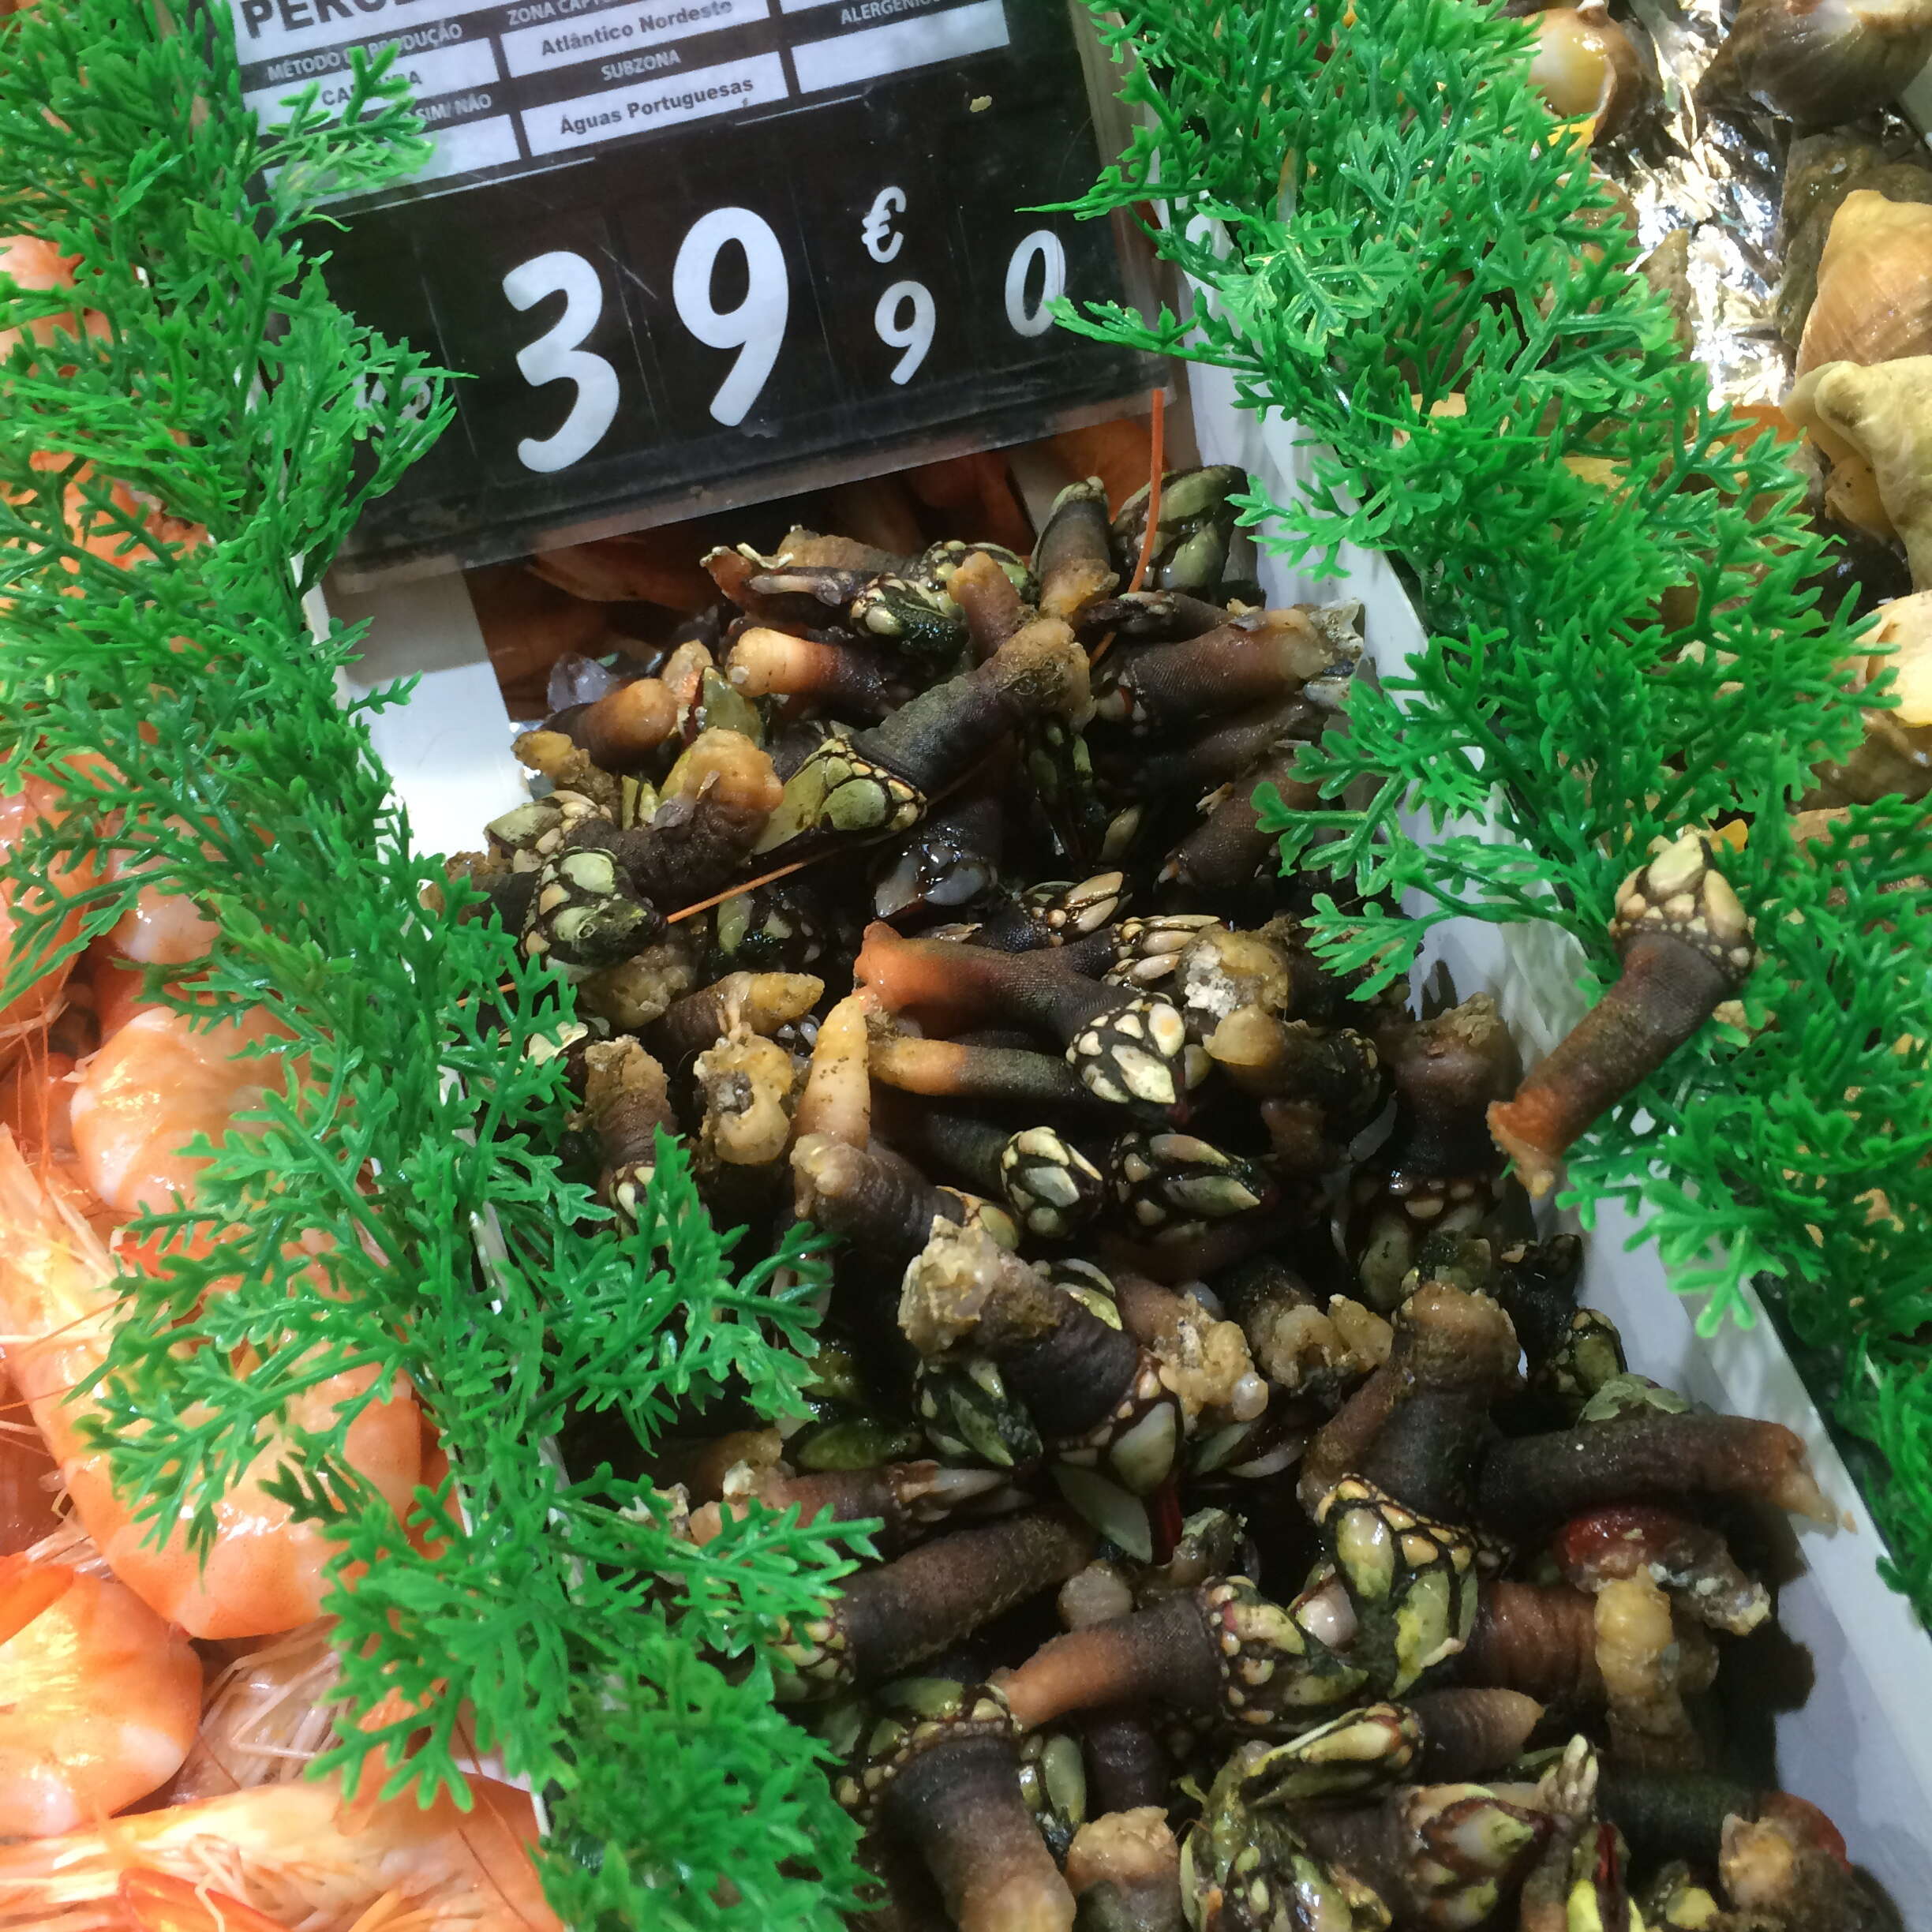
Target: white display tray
x=1861 y=1746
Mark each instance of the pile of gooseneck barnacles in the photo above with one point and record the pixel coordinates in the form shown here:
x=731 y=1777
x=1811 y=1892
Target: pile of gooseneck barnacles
x=1179 y=1299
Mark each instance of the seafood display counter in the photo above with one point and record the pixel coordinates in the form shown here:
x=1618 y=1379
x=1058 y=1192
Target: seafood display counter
x=1162 y=1425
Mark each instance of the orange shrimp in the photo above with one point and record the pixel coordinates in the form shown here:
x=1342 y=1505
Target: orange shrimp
x=36 y=802
x=28 y=1478
x=59 y=1308
x=37 y=265
x=297 y=1855
x=155 y=1084
x=99 y=1698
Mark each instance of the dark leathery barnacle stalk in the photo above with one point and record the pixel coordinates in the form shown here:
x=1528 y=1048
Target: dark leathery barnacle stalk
x=1129 y=1050
x=881 y=1204
x=965 y=1071
x=627 y=1100
x=1418 y=1426
x=886 y=1620
x=1541 y=1480
x=1231 y=852
x=1095 y=1393
x=1684 y=946
x=1263 y=657
x=1439 y=1170
x=1071 y=557
x=882 y=780
x=1124 y=1869
x=940 y=1770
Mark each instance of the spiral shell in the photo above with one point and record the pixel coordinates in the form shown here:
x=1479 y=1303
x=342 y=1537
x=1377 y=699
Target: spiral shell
x=1875 y=285
x=1818 y=62
x=1883 y=414
x=1586 y=67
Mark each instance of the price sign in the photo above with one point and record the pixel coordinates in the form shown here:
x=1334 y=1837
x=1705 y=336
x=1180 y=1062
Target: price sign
x=695 y=253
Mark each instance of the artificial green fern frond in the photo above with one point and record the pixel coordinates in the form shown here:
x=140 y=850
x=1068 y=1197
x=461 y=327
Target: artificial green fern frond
x=393 y=1211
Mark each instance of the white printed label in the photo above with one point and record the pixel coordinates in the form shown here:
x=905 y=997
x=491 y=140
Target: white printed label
x=612 y=31
x=468 y=64
x=475 y=145
x=589 y=118
x=899 y=47
x=266 y=29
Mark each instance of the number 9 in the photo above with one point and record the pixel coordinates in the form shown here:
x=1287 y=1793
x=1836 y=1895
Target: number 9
x=756 y=326
x=915 y=338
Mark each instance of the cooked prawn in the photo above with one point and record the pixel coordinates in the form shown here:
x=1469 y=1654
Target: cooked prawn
x=266 y=1717
x=28 y=1478
x=300 y=1856
x=99 y=1698
x=37 y=802
x=155 y=1085
x=37 y=266
x=59 y=1308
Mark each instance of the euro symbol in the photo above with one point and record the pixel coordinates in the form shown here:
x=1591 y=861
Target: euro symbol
x=880 y=242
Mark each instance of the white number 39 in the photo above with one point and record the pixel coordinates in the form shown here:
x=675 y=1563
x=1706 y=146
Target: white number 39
x=556 y=356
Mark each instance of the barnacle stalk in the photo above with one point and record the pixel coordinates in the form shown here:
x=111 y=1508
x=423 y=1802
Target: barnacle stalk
x=887 y=1619
x=1123 y=1870
x=1096 y=1394
x=626 y=1100
x=1127 y=1051
x=961 y=1070
x=908 y=1499
x=1545 y=1479
x=1684 y=946
x=1417 y=1425
x=1261 y=658
x=1072 y=555
x=940 y=1770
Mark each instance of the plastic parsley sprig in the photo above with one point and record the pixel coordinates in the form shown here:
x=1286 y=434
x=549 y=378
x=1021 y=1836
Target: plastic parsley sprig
x=1389 y=245
x=189 y=417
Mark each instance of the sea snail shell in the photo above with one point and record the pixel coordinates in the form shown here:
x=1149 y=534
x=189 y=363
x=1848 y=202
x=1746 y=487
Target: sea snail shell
x=1586 y=67
x=1817 y=62
x=1875 y=285
x=1883 y=415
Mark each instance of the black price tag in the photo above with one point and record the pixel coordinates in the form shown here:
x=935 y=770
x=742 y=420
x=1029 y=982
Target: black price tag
x=697 y=252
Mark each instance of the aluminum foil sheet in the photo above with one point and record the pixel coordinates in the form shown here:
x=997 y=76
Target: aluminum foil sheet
x=1718 y=174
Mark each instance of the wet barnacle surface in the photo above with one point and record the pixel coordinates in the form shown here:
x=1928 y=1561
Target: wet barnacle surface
x=1180 y=1298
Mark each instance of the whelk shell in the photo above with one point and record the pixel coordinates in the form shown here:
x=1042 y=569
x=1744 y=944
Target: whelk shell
x=1875 y=285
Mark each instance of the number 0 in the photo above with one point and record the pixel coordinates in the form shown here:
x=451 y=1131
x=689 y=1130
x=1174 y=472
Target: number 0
x=556 y=356
x=1045 y=244
x=756 y=327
